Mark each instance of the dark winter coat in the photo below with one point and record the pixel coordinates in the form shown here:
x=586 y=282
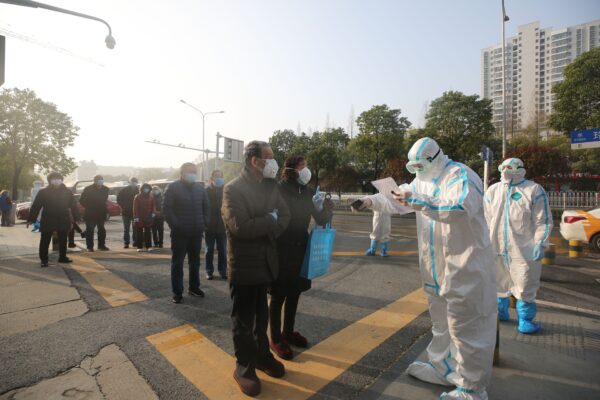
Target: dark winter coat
x=251 y=231
x=125 y=200
x=186 y=208
x=291 y=245
x=60 y=208
x=215 y=199
x=5 y=203
x=144 y=209
x=93 y=199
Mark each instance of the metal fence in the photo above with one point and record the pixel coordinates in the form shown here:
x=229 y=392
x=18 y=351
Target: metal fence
x=567 y=200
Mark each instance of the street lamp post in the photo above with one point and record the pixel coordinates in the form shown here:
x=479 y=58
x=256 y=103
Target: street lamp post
x=504 y=20
x=204 y=114
x=110 y=40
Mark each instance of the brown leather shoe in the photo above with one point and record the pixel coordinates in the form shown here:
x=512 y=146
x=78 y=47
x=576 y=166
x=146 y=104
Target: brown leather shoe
x=248 y=386
x=282 y=349
x=272 y=368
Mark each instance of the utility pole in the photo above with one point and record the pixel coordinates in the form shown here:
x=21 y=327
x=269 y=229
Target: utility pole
x=504 y=20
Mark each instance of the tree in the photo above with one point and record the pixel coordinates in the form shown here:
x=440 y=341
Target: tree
x=345 y=178
x=282 y=142
x=380 y=139
x=33 y=132
x=577 y=103
x=397 y=170
x=460 y=124
x=327 y=151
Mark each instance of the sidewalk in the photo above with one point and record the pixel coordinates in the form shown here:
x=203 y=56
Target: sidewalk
x=32 y=297
x=559 y=362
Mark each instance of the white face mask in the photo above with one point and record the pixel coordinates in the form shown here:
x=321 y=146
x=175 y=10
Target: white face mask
x=270 y=169
x=56 y=182
x=304 y=176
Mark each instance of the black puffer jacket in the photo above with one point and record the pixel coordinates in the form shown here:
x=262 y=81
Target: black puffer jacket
x=186 y=208
x=125 y=200
x=291 y=245
x=93 y=199
x=215 y=199
x=251 y=231
x=60 y=209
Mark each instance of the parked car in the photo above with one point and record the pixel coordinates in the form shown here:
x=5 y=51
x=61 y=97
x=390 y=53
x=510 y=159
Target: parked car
x=582 y=225
x=111 y=205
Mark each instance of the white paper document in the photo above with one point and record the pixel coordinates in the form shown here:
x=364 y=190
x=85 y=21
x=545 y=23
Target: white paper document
x=385 y=187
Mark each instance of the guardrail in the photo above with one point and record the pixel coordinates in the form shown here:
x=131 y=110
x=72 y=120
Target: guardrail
x=570 y=200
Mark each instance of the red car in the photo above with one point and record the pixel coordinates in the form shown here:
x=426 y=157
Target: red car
x=111 y=206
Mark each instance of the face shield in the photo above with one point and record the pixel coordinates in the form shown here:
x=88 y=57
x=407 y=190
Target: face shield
x=421 y=166
x=512 y=168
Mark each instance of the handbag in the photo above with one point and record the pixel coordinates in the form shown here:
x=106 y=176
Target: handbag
x=318 y=252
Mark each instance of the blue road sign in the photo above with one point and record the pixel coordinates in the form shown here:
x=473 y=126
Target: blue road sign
x=585 y=139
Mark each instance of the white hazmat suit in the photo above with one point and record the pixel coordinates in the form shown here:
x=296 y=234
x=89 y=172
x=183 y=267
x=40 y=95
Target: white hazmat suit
x=457 y=269
x=382 y=228
x=520 y=223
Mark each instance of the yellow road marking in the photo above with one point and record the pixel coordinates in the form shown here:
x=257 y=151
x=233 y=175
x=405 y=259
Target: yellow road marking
x=209 y=368
x=362 y=253
x=116 y=291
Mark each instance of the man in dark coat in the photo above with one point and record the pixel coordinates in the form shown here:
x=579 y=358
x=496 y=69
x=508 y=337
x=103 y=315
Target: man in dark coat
x=125 y=201
x=59 y=207
x=93 y=199
x=215 y=232
x=185 y=208
x=255 y=214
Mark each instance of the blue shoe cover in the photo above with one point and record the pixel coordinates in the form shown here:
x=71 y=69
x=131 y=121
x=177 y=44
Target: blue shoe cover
x=503 y=303
x=371 y=250
x=526 y=313
x=384 y=248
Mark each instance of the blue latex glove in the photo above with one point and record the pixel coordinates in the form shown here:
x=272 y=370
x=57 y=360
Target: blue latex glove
x=274 y=214
x=538 y=252
x=318 y=200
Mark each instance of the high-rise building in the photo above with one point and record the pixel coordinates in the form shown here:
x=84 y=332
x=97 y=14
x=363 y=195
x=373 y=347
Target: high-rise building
x=535 y=61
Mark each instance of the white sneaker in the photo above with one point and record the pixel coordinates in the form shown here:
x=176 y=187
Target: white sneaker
x=427 y=373
x=464 y=394
x=140 y=250
x=149 y=250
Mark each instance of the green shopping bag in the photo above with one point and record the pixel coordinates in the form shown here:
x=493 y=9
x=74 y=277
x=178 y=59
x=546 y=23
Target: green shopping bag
x=318 y=252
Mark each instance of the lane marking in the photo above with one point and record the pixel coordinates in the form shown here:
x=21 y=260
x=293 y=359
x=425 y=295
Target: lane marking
x=568 y=308
x=563 y=290
x=116 y=291
x=362 y=253
x=204 y=364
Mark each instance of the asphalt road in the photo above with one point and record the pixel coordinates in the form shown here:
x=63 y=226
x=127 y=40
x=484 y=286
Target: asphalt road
x=355 y=287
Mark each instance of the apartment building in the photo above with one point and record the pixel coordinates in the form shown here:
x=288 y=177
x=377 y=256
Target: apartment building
x=535 y=61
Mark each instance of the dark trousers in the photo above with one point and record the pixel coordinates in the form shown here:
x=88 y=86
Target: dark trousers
x=158 y=231
x=46 y=238
x=221 y=240
x=74 y=229
x=250 y=317
x=289 y=314
x=144 y=237
x=182 y=244
x=127 y=227
x=6 y=218
x=90 y=227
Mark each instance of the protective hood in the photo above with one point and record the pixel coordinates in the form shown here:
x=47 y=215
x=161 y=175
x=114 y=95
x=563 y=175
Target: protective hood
x=426 y=159
x=512 y=170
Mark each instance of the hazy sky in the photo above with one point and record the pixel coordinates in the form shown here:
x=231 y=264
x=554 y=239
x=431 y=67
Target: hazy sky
x=269 y=64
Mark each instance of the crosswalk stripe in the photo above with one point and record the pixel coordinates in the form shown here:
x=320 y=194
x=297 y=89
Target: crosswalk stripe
x=116 y=291
x=203 y=363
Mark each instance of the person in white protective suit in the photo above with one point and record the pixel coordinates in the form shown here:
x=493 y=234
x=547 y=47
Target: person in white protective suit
x=382 y=228
x=457 y=269
x=520 y=223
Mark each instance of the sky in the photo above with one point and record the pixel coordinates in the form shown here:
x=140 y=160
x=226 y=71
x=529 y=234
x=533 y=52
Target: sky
x=268 y=64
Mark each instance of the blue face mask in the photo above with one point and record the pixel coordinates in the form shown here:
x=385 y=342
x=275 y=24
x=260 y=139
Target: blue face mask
x=191 y=178
x=146 y=190
x=100 y=182
x=219 y=182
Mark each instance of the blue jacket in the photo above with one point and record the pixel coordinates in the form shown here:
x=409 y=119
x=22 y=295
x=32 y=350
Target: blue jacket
x=185 y=208
x=5 y=203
